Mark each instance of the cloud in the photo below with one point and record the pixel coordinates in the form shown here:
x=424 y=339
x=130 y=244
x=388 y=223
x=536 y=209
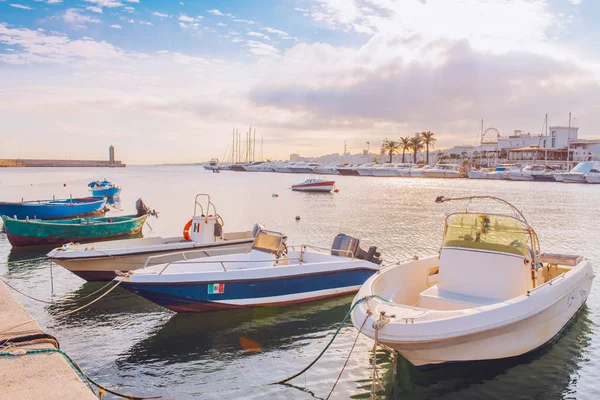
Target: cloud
x=73 y=16
x=94 y=9
x=115 y=26
x=222 y=24
x=129 y=9
x=106 y=3
x=575 y=2
x=301 y=9
x=22 y=7
x=185 y=18
x=258 y=34
x=245 y=21
x=162 y=15
x=132 y=1
x=183 y=25
x=214 y=11
x=145 y=22
x=261 y=49
x=54 y=1
x=280 y=33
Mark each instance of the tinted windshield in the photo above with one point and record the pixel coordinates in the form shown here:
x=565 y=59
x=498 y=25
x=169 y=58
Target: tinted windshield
x=486 y=232
x=267 y=242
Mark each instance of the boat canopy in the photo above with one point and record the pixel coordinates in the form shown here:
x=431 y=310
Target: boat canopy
x=492 y=232
x=268 y=242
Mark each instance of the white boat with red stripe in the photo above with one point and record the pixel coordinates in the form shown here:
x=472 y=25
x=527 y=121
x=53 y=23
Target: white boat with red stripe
x=314 y=185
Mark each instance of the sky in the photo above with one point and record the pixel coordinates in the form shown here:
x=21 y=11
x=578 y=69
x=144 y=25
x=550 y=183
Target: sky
x=168 y=81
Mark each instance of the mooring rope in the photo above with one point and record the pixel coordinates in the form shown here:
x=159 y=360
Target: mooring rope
x=103 y=389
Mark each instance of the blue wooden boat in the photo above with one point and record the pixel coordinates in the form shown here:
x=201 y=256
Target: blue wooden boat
x=104 y=189
x=268 y=275
x=79 y=230
x=53 y=209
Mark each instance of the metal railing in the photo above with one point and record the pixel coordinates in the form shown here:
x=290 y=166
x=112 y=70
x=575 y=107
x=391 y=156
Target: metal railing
x=184 y=252
x=549 y=283
x=222 y=262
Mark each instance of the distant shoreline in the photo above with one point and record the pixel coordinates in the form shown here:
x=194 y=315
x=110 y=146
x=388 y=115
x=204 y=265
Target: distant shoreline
x=27 y=163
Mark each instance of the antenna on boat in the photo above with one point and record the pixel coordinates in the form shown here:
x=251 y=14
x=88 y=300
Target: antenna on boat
x=442 y=199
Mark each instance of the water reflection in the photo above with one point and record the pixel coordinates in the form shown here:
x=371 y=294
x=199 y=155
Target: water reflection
x=193 y=337
x=547 y=373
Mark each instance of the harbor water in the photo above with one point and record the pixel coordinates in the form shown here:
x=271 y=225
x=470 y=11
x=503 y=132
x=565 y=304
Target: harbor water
x=136 y=347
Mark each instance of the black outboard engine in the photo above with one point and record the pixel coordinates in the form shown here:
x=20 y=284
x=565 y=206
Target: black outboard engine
x=348 y=246
x=143 y=209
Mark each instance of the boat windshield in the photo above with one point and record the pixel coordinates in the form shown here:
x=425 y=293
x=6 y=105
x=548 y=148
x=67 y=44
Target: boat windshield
x=490 y=232
x=268 y=243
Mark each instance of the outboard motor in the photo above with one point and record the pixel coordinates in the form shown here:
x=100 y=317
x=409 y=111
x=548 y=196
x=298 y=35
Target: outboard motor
x=143 y=209
x=348 y=246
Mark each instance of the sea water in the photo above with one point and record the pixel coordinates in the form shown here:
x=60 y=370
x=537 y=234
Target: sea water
x=134 y=346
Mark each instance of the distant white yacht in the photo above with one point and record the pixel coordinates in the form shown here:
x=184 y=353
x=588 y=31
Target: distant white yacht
x=443 y=171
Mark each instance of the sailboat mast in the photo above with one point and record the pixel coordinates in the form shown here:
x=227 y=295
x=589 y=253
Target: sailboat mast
x=254 y=146
x=546 y=142
x=569 y=144
x=262 y=155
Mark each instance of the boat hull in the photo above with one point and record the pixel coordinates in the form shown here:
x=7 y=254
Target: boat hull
x=592 y=178
x=348 y=171
x=441 y=174
x=496 y=331
x=108 y=192
x=543 y=178
x=272 y=291
x=58 y=209
x=315 y=187
x=573 y=178
x=102 y=267
x=39 y=233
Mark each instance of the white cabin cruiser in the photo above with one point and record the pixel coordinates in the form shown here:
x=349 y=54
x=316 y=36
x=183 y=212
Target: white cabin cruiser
x=417 y=172
x=404 y=170
x=577 y=174
x=444 y=171
x=593 y=176
x=284 y=167
x=366 y=169
x=387 y=169
x=490 y=294
x=268 y=275
x=259 y=166
x=330 y=169
x=202 y=237
x=303 y=168
x=481 y=173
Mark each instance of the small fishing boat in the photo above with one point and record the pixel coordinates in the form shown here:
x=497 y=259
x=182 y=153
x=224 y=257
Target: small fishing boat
x=53 y=209
x=36 y=232
x=314 y=185
x=104 y=189
x=489 y=294
x=202 y=236
x=268 y=275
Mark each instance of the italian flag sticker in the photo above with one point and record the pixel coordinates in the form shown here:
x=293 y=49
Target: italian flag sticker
x=216 y=288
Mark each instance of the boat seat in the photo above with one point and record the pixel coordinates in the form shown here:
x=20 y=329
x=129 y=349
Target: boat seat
x=442 y=300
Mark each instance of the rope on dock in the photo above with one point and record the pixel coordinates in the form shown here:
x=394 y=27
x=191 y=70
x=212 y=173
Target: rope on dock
x=65 y=313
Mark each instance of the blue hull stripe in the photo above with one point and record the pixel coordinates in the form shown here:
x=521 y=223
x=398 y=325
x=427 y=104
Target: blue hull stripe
x=173 y=294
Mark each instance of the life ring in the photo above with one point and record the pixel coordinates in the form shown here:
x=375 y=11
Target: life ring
x=186 y=230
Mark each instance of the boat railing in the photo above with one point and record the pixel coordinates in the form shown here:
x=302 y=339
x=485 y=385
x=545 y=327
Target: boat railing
x=221 y=262
x=304 y=247
x=549 y=283
x=183 y=254
x=209 y=204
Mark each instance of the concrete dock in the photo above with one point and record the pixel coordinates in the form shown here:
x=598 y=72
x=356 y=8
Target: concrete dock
x=39 y=376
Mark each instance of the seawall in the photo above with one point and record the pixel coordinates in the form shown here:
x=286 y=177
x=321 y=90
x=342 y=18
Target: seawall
x=40 y=376
x=6 y=162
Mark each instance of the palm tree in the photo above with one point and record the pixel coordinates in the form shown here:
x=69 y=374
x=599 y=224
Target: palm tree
x=428 y=140
x=405 y=145
x=391 y=147
x=416 y=145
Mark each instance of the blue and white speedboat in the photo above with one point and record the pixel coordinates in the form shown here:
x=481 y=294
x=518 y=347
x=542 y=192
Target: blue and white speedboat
x=104 y=189
x=267 y=275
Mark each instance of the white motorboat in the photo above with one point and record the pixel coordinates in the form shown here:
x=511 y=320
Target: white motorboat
x=366 y=169
x=593 y=176
x=330 y=169
x=268 y=275
x=303 y=168
x=202 y=237
x=387 y=169
x=259 y=166
x=481 y=173
x=444 y=171
x=499 y=172
x=417 y=172
x=558 y=177
x=577 y=174
x=404 y=170
x=313 y=184
x=489 y=294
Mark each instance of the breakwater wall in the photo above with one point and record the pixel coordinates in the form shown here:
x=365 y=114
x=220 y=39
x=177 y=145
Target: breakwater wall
x=6 y=162
x=41 y=376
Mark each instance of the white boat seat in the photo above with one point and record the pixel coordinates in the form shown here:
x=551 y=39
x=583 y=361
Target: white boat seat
x=442 y=300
